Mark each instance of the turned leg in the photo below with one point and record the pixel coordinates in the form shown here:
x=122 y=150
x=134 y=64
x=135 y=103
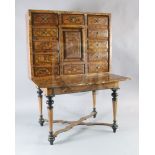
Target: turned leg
x=41 y=119
x=94 y=102
x=114 y=101
x=50 y=103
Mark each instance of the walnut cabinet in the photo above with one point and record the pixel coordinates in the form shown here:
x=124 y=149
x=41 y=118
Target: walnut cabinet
x=70 y=52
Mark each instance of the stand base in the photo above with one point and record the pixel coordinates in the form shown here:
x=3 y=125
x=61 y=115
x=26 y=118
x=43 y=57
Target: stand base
x=72 y=124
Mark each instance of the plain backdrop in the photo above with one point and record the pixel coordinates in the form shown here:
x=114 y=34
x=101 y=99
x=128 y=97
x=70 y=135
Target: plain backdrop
x=31 y=138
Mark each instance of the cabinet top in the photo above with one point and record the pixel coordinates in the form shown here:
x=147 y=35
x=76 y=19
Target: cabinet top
x=67 y=12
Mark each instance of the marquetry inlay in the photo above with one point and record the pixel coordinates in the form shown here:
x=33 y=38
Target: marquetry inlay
x=70 y=52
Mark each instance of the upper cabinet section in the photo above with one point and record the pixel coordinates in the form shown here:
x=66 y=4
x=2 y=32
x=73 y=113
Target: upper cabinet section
x=68 y=43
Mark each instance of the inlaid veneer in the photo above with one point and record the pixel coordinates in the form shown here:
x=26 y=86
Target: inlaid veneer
x=70 y=52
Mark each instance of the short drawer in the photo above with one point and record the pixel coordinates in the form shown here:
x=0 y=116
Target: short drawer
x=46 y=71
x=97 y=44
x=45 y=32
x=46 y=59
x=44 y=19
x=45 y=45
x=73 y=69
x=97 y=20
x=72 y=19
x=98 y=68
x=97 y=34
x=97 y=56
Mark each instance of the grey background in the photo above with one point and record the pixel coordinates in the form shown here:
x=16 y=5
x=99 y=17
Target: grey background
x=31 y=138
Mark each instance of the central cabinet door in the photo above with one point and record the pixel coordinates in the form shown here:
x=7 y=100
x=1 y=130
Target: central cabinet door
x=72 y=44
x=72 y=51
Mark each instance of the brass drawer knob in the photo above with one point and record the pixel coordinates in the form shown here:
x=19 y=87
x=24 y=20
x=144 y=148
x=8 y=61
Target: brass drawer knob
x=73 y=19
x=98 y=67
x=44 y=32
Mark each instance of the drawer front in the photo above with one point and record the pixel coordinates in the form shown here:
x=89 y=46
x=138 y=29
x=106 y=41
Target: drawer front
x=69 y=19
x=45 y=45
x=44 y=19
x=98 y=56
x=98 y=68
x=73 y=69
x=97 y=20
x=45 y=32
x=97 y=44
x=46 y=71
x=97 y=34
x=46 y=59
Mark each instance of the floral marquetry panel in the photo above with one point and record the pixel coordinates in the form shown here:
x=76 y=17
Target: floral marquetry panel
x=72 y=19
x=98 y=56
x=73 y=69
x=45 y=32
x=46 y=59
x=98 y=34
x=98 y=68
x=98 y=20
x=97 y=45
x=46 y=71
x=46 y=45
x=44 y=19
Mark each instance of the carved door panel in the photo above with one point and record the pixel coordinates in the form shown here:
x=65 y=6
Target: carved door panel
x=72 y=50
x=72 y=45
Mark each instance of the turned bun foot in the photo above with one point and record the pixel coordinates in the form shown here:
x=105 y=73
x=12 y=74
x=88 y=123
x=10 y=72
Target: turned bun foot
x=51 y=138
x=114 y=127
x=41 y=120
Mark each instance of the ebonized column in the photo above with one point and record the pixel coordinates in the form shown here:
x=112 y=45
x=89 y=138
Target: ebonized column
x=114 y=101
x=50 y=103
